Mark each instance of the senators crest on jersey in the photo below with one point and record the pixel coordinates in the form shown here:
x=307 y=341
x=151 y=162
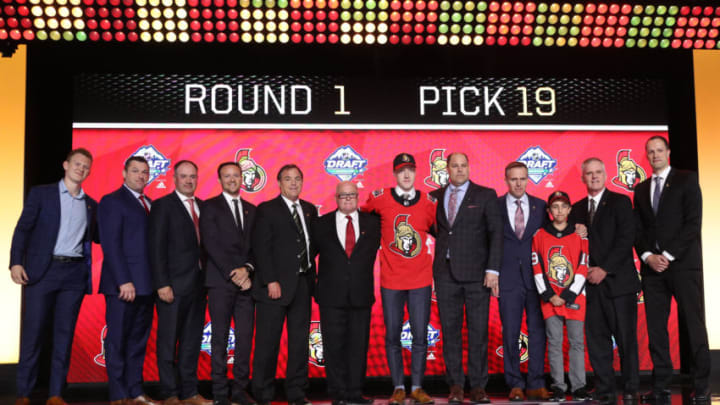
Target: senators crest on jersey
x=559 y=270
x=407 y=241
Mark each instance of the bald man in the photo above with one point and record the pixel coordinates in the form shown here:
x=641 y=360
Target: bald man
x=347 y=242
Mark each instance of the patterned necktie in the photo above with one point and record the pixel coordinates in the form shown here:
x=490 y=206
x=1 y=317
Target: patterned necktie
x=303 y=252
x=196 y=222
x=656 y=194
x=452 y=205
x=519 y=220
x=238 y=218
x=349 y=236
x=142 y=200
x=591 y=214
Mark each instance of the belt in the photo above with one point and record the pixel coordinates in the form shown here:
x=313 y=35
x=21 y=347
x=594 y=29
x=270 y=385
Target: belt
x=68 y=259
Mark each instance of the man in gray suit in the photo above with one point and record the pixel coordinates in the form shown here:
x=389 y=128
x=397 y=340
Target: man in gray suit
x=468 y=255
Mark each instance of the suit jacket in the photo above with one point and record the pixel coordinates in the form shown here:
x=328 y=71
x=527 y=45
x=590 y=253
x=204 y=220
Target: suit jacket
x=174 y=250
x=344 y=281
x=611 y=237
x=123 y=227
x=36 y=232
x=676 y=228
x=227 y=248
x=276 y=244
x=475 y=238
x=516 y=269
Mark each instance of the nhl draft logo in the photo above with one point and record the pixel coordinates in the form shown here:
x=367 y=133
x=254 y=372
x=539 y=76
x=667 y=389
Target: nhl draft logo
x=538 y=162
x=629 y=173
x=159 y=164
x=345 y=163
x=99 y=359
x=206 y=344
x=522 y=346
x=439 y=176
x=317 y=356
x=253 y=175
x=407 y=241
x=433 y=336
x=560 y=271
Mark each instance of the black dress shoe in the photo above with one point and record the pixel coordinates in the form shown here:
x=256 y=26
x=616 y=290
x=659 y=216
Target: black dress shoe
x=700 y=399
x=303 y=401
x=631 y=398
x=657 y=397
x=338 y=402
x=359 y=401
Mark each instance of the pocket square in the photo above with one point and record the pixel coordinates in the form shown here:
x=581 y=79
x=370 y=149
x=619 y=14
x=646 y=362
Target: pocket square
x=473 y=206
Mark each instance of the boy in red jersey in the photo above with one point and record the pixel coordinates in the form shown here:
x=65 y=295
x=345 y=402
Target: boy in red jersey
x=559 y=258
x=406 y=217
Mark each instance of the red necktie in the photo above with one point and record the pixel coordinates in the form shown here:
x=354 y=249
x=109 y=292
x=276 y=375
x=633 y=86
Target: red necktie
x=142 y=200
x=196 y=222
x=349 y=236
x=519 y=220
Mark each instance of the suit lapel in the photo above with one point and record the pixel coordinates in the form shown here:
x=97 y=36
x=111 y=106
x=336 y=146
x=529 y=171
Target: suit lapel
x=332 y=227
x=180 y=205
x=666 y=187
x=134 y=202
x=441 y=203
x=534 y=219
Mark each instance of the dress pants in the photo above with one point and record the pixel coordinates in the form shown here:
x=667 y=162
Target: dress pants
x=270 y=319
x=179 y=335
x=607 y=317
x=686 y=287
x=345 y=335
x=128 y=329
x=224 y=304
x=455 y=298
x=513 y=302
x=51 y=303
x=418 y=306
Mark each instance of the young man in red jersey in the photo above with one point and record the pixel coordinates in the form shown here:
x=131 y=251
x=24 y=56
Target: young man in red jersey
x=406 y=218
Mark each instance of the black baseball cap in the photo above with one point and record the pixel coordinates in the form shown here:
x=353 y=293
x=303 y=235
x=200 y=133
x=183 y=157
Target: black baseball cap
x=403 y=160
x=558 y=195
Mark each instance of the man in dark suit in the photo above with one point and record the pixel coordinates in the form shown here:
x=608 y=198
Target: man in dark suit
x=225 y=228
x=347 y=242
x=468 y=254
x=612 y=284
x=126 y=282
x=522 y=215
x=175 y=254
x=668 y=210
x=283 y=285
x=50 y=258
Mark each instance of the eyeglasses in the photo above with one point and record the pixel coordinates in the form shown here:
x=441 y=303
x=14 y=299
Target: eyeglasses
x=347 y=196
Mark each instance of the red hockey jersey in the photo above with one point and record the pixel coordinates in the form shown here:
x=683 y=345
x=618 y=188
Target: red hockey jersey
x=559 y=261
x=405 y=259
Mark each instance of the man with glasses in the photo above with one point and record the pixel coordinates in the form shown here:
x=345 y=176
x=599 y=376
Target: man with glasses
x=345 y=292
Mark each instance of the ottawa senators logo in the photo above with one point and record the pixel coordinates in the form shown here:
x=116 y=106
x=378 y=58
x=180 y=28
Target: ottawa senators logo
x=629 y=173
x=253 y=175
x=407 y=241
x=522 y=346
x=439 y=176
x=317 y=356
x=559 y=271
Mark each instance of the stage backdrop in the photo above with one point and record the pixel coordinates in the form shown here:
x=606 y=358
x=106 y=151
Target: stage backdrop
x=361 y=154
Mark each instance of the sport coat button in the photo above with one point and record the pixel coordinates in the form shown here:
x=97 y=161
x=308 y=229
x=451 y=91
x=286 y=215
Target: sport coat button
x=450 y=233
x=297 y=240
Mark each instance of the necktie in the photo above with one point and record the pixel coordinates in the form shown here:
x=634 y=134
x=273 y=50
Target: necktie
x=196 y=222
x=238 y=218
x=304 y=259
x=656 y=194
x=142 y=200
x=519 y=220
x=591 y=214
x=452 y=205
x=349 y=236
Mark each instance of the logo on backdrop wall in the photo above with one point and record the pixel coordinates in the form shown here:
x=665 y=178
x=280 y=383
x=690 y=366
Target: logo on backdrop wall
x=317 y=355
x=159 y=164
x=433 y=336
x=629 y=173
x=522 y=345
x=206 y=344
x=538 y=162
x=345 y=163
x=439 y=176
x=254 y=177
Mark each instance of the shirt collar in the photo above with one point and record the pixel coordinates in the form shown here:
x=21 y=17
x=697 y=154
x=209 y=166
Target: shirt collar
x=183 y=197
x=524 y=200
x=339 y=215
x=134 y=193
x=597 y=197
x=663 y=174
x=290 y=203
x=399 y=191
x=463 y=187
x=229 y=198
x=64 y=189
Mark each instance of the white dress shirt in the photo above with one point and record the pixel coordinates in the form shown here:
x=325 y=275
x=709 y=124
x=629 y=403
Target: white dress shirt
x=400 y=192
x=229 y=199
x=137 y=197
x=341 y=225
x=302 y=221
x=185 y=202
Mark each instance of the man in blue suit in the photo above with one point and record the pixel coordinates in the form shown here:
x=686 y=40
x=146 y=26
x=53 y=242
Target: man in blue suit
x=50 y=258
x=126 y=282
x=522 y=215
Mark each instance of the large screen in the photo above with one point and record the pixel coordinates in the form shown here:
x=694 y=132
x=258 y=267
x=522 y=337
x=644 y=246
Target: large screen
x=334 y=130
